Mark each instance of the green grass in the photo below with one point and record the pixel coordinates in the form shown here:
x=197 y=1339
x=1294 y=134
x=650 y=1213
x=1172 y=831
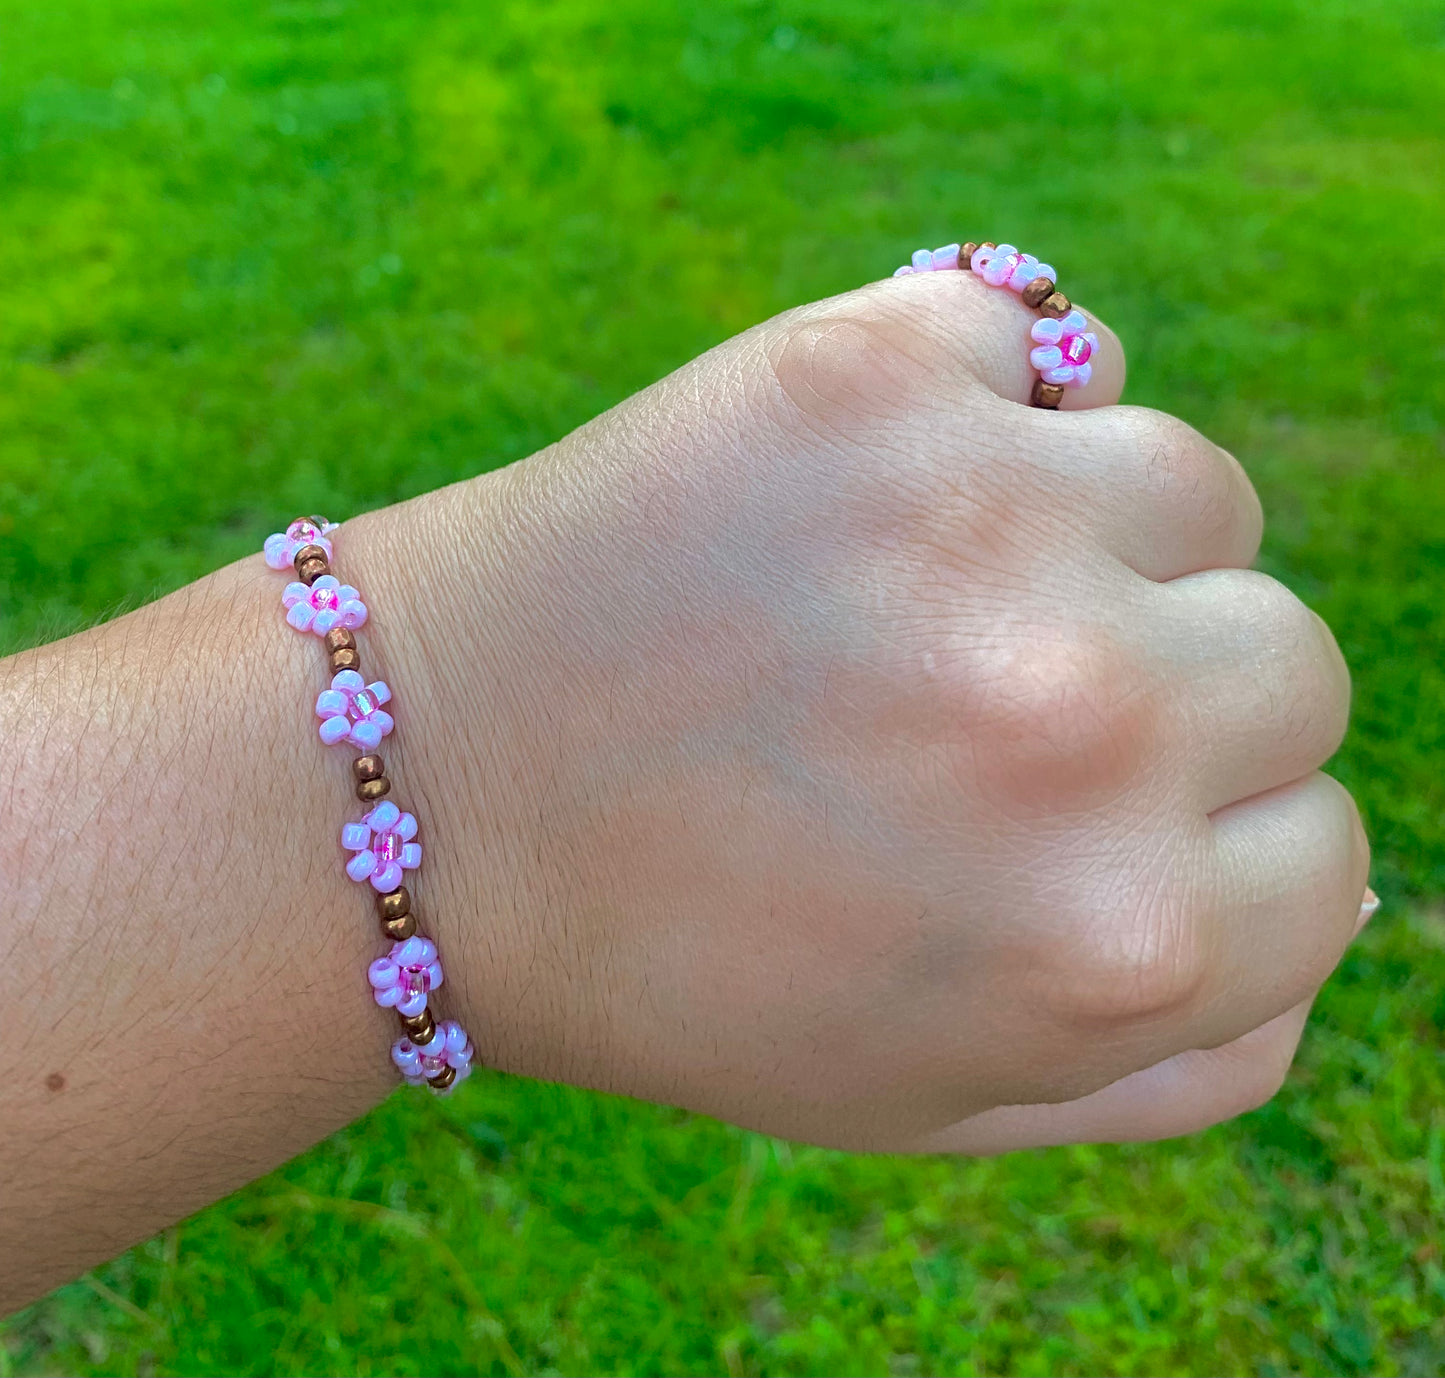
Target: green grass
x=262 y=258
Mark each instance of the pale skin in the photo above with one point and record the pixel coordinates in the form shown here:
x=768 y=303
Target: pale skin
x=821 y=740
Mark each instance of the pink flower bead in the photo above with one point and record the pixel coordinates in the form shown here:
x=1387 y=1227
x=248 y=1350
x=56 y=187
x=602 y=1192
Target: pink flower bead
x=326 y=604
x=383 y=844
x=1005 y=266
x=351 y=711
x=1063 y=349
x=931 y=261
x=449 y=1047
x=406 y=976
x=280 y=549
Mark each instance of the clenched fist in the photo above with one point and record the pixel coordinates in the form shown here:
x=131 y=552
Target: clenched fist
x=825 y=740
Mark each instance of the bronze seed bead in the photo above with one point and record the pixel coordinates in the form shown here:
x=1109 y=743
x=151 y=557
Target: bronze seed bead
x=311 y=563
x=394 y=903
x=399 y=930
x=966 y=253
x=308 y=552
x=369 y=791
x=368 y=767
x=345 y=660
x=340 y=639
x=1035 y=293
x=988 y=244
x=420 y=1028
x=1056 y=305
x=443 y=1079
x=1047 y=395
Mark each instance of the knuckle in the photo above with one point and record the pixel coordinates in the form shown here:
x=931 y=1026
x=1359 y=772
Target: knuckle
x=1277 y=609
x=1270 y=1076
x=1053 y=723
x=851 y=362
x=1263 y=1072
x=1194 y=479
x=1150 y=969
x=1346 y=856
x=1315 y=679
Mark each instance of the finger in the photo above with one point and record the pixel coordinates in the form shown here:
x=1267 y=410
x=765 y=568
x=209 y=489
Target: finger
x=988 y=332
x=1260 y=678
x=1290 y=867
x=1166 y=500
x=1156 y=494
x=1181 y=1095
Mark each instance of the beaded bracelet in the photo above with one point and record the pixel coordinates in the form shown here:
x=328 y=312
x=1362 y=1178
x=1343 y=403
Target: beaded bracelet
x=383 y=841
x=1063 y=342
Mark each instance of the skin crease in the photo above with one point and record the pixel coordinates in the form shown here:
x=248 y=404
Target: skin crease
x=821 y=739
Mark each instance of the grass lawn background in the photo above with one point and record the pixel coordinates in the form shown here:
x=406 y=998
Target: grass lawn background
x=259 y=258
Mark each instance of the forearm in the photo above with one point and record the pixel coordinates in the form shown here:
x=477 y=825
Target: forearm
x=185 y=996
x=184 y=992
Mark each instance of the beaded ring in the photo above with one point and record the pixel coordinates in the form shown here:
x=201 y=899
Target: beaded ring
x=1063 y=342
x=382 y=842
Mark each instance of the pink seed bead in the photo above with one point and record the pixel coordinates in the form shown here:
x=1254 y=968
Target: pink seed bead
x=382 y=973
x=389 y=847
x=406 y=1056
x=355 y=836
x=326 y=600
x=1076 y=350
x=384 y=817
x=363 y=703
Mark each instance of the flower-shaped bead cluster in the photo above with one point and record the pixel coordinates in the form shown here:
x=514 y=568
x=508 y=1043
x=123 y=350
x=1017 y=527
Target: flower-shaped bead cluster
x=1063 y=349
x=280 y=549
x=326 y=604
x=930 y=261
x=351 y=711
x=383 y=847
x=449 y=1047
x=406 y=976
x=1005 y=266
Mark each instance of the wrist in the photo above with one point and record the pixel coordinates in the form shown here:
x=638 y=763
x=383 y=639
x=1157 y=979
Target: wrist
x=457 y=629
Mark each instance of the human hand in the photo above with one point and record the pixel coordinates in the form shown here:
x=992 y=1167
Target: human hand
x=865 y=757
x=821 y=739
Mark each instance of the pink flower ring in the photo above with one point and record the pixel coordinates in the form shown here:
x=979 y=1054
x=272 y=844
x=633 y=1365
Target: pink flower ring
x=1063 y=348
x=449 y=1047
x=406 y=976
x=1005 y=266
x=351 y=711
x=280 y=549
x=326 y=604
x=383 y=847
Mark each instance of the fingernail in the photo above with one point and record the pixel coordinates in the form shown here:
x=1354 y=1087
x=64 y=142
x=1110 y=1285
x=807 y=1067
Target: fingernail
x=1368 y=906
